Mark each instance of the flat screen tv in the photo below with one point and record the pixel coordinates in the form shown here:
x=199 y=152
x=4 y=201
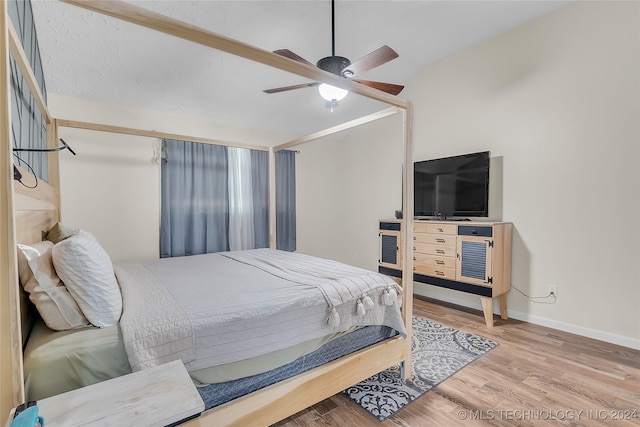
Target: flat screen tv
x=452 y=187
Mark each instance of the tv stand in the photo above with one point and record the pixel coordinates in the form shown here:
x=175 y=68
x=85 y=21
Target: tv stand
x=468 y=256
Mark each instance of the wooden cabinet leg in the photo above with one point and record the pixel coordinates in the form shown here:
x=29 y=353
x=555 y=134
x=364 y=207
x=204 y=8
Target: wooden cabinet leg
x=503 y=306
x=487 y=307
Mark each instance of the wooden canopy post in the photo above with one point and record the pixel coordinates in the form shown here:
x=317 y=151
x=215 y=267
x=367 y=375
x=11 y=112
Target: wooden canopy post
x=12 y=390
x=407 y=229
x=272 y=199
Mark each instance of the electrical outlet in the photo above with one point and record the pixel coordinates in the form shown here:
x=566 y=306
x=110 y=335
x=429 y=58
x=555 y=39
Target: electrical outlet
x=553 y=290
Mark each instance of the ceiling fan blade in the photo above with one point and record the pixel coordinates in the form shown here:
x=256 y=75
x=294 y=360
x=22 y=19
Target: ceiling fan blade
x=286 y=88
x=288 y=54
x=391 y=88
x=374 y=59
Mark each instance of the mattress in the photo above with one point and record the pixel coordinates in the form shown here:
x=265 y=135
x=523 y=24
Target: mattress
x=260 y=364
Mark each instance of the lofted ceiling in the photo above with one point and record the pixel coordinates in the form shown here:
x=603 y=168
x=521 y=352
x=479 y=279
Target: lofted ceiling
x=88 y=55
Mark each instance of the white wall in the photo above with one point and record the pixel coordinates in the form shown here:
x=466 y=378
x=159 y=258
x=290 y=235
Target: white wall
x=344 y=187
x=111 y=187
x=556 y=101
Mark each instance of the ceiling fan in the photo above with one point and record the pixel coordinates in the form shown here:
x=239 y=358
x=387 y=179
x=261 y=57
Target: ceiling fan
x=343 y=67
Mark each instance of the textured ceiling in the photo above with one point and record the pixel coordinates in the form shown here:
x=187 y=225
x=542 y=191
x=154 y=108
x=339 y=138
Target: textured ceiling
x=92 y=56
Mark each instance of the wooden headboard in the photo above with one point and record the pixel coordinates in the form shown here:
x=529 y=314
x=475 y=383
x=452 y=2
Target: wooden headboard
x=35 y=211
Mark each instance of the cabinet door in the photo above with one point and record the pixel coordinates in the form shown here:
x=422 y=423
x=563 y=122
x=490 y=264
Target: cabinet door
x=474 y=260
x=389 y=243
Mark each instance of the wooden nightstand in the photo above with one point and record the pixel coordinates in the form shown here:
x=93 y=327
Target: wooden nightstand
x=153 y=397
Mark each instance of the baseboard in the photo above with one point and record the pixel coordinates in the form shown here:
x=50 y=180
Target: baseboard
x=538 y=320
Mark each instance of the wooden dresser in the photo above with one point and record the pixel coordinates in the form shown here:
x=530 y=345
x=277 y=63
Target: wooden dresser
x=471 y=257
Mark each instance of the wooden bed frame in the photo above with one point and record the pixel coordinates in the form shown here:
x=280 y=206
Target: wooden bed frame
x=26 y=213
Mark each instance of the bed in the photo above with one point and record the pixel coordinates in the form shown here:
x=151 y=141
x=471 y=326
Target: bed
x=269 y=318
x=262 y=310
x=29 y=213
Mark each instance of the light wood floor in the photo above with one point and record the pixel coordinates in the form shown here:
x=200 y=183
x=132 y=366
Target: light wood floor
x=536 y=376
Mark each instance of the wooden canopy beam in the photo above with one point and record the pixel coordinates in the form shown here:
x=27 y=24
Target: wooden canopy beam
x=15 y=46
x=153 y=134
x=338 y=128
x=149 y=19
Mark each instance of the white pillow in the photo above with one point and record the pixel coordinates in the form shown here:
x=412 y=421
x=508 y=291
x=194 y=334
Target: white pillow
x=56 y=306
x=87 y=271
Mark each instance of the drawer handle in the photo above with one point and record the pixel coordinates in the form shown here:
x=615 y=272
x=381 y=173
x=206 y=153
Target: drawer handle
x=439 y=262
x=439 y=273
x=439 y=251
x=440 y=240
x=414 y=258
x=440 y=230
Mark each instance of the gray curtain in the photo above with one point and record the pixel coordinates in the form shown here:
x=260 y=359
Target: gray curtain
x=260 y=192
x=286 y=200
x=194 y=200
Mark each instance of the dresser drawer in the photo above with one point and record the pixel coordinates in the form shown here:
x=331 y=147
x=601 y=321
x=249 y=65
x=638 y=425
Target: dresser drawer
x=439 y=261
x=390 y=226
x=435 y=228
x=442 y=250
x=435 y=239
x=474 y=230
x=436 y=271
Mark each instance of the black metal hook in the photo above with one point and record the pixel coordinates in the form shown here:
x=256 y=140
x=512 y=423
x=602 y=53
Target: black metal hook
x=48 y=150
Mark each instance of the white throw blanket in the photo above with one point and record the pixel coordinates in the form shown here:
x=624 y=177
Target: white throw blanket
x=339 y=283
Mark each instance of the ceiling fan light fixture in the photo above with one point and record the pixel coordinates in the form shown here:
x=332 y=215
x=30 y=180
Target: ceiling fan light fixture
x=332 y=93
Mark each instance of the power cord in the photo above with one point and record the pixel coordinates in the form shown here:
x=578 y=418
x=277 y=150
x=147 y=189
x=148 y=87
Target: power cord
x=533 y=299
x=16 y=173
x=18 y=176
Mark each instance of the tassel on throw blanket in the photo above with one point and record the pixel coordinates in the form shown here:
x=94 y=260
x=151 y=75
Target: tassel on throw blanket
x=368 y=302
x=334 y=318
x=389 y=297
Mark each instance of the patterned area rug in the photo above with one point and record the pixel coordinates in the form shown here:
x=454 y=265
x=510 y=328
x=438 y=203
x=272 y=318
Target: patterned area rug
x=437 y=352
